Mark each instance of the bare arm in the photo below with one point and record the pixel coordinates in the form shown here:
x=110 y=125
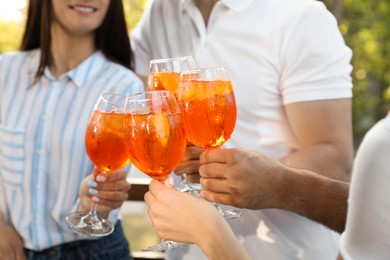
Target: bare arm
x=324 y=132
x=248 y=179
x=11 y=244
x=318 y=198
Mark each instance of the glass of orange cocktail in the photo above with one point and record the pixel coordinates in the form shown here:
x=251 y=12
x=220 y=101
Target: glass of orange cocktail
x=164 y=74
x=105 y=145
x=156 y=139
x=206 y=99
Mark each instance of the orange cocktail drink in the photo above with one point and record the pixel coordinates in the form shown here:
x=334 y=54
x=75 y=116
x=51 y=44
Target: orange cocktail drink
x=156 y=139
x=163 y=81
x=105 y=141
x=209 y=111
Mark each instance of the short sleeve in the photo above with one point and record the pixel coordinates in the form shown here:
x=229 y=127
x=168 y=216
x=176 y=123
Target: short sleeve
x=367 y=231
x=315 y=59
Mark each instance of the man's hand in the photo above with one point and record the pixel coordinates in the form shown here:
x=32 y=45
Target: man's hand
x=241 y=178
x=190 y=163
x=109 y=190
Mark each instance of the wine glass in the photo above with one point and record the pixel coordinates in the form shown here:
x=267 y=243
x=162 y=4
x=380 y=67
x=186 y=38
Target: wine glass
x=156 y=139
x=105 y=145
x=207 y=101
x=164 y=74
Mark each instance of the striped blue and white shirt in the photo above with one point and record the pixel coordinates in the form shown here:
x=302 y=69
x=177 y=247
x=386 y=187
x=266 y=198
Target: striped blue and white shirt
x=42 y=151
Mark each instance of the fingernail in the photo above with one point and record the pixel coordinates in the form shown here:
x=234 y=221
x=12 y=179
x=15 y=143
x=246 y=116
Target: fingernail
x=171 y=180
x=92 y=184
x=95 y=199
x=100 y=178
x=92 y=191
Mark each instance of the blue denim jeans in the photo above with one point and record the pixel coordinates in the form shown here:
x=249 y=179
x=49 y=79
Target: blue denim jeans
x=112 y=247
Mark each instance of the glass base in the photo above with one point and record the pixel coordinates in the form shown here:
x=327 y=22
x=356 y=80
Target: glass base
x=165 y=245
x=228 y=213
x=196 y=188
x=89 y=224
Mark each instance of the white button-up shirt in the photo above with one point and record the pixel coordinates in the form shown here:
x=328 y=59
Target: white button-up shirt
x=42 y=150
x=278 y=52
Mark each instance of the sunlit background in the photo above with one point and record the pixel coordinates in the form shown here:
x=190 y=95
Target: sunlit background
x=12 y=10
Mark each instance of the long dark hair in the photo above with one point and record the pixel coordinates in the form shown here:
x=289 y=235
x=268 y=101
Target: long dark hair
x=111 y=37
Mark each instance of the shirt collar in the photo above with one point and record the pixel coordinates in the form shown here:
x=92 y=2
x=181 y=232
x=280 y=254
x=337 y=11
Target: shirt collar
x=79 y=75
x=87 y=69
x=236 y=5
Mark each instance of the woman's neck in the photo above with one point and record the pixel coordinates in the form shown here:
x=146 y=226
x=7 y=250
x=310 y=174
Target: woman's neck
x=69 y=50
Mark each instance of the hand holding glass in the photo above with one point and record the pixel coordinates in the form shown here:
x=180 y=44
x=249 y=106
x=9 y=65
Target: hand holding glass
x=164 y=74
x=105 y=145
x=207 y=101
x=156 y=139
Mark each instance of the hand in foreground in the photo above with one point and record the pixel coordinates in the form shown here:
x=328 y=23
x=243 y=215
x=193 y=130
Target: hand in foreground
x=109 y=191
x=190 y=163
x=186 y=218
x=11 y=244
x=241 y=178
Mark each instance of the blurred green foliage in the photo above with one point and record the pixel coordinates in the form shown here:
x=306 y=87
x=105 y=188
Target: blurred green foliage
x=365 y=26
x=11 y=31
x=10 y=36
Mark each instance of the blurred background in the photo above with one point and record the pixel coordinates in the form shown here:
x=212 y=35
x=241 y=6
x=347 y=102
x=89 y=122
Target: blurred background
x=365 y=27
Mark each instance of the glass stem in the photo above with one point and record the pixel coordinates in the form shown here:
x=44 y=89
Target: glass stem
x=93 y=210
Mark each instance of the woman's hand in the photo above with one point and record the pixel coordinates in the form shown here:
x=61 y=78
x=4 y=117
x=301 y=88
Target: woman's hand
x=180 y=216
x=108 y=190
x=11 y=244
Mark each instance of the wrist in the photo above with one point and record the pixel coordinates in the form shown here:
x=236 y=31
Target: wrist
x=298 y=186
x=221 y=243
x=316 y=197
x=2 y=218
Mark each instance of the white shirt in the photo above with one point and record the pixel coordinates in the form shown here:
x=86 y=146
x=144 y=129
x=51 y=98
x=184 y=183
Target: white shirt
x=367 y=232
x=42 y=130
x=278 y=52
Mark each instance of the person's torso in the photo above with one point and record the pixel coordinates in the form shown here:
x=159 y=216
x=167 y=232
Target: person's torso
x=42 y=133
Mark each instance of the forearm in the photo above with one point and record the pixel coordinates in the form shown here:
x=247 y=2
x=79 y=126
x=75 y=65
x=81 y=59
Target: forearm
x=325 y=159
x=316 y=197
x=221 y=244
x=3 y=204
x=2 y=219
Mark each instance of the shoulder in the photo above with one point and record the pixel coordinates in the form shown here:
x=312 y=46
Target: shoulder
x=289 y=13
x=295 y=7
x=22 y=60
x=375 y=146
x=158 y=11
x=378 y=136
x=10 y=57
x=162 y=5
